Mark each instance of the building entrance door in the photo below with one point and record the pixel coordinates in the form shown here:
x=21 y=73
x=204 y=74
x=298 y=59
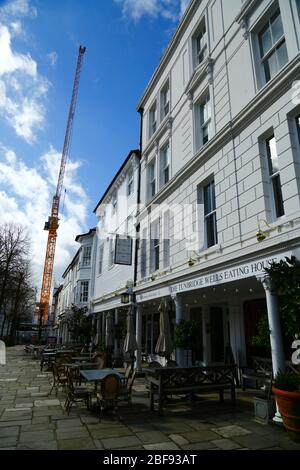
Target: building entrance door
x=219 y=333
x=197 y=351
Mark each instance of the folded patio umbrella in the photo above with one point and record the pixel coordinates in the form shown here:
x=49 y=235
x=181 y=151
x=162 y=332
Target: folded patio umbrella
x=130 y=345
x=164 y=345
x=109 y=339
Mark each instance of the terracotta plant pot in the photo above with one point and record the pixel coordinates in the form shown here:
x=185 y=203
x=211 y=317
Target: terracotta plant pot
x=289 y=408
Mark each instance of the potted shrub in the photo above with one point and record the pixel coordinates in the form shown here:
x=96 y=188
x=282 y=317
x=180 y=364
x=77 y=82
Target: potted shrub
x=287 y=393
x=186 y=333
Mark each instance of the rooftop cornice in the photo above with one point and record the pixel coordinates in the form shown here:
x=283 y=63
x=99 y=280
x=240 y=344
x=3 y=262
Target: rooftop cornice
x=169 y=50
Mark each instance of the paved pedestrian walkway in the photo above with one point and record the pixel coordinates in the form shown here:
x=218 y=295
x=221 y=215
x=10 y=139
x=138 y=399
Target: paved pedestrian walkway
x=31 y=419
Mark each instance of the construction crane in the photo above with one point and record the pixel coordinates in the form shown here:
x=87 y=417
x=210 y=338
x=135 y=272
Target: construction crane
x=52 y=223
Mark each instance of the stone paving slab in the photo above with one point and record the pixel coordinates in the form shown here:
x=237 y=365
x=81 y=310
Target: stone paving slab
x=120 y=442
x=226 y=444
x=111 y=432
x=199 y=436
x=32 y=436
x=255 y=442
x=162 y=446
x=231 y=431
x=76 y=444
x=152 y=437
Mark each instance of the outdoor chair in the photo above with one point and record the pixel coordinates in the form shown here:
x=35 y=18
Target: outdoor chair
x=98 y=360
x=126 y=385
x=151 y=365
x=59 y=378
x=107 y=399
x=127 y=370
x=76 y=394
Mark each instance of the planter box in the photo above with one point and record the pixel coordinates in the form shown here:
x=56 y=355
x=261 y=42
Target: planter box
x=264 y=408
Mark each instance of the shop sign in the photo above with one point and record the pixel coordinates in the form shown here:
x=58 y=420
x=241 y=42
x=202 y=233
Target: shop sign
x=123 y=251
x=250 y=269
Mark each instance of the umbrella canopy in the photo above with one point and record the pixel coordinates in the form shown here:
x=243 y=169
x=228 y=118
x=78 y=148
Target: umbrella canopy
x=96 y=339
x=164 y=345
x=130 y=345
x=109 y=339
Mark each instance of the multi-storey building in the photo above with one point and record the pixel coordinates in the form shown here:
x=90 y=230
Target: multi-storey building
x=221 y=160
x=77 y=285
x=116 y=214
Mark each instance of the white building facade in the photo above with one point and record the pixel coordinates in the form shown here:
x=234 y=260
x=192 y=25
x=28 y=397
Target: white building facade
x=220 y=170
x=116 y=214
x=77 y=286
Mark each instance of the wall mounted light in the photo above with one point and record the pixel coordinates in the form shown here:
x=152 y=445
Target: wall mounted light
x=191 y=262
x=126 y=297
x=261 y=235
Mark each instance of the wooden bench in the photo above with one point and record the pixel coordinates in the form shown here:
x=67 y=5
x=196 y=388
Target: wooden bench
x=185 y=380
x=261 y=371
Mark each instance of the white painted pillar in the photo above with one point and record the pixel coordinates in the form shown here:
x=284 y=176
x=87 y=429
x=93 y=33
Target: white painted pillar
x=278 y=359
x=178 y=317
x=116 y=320
x=138 y=329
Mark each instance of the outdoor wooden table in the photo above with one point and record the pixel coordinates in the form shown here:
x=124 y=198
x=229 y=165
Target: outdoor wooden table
x=97 y=375
x=77 y=365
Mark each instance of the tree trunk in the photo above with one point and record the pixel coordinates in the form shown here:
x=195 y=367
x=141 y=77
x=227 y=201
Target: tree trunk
x=3 y=324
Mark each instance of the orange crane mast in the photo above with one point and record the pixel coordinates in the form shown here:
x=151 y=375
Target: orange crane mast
x=52 y=224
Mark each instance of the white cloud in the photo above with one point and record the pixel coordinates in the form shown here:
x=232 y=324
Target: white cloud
x=136 y=9
x=22 y=88
x=26 y=198
x=18 y=8
x=52 y=58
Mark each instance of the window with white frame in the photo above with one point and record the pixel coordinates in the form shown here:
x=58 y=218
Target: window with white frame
x=155 y=245
x=164 y=165
x=130 y=183
x=273 y=165
x=144 y=254
x=101 y=253
x=111 y=257
x=203 y=122
x=210 y=218
x=114 y=201
x=86 y=257
x=84 y=291
x=200 y=44
x=272 y=45
x=166 y=239
x=152 y=119
x=151 y=170
x=165 y=100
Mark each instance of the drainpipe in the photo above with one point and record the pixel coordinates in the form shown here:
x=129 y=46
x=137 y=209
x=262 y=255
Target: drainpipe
x=137 y=311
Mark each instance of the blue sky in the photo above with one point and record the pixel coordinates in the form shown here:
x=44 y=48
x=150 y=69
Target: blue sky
x=39 y=42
